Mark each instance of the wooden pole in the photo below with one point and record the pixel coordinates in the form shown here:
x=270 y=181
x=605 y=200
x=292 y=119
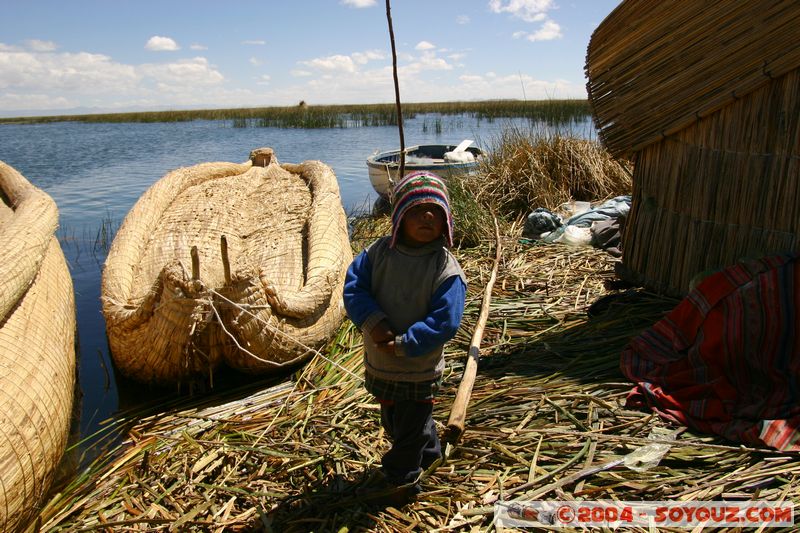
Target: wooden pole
x=458 y=413
x=396 y=95
x=195 y=263
x=226 y=265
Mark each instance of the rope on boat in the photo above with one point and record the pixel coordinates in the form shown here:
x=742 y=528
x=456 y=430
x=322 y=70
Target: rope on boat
x=273 y=329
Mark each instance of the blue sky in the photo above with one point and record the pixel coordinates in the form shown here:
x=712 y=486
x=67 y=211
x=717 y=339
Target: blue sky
x=101 y=55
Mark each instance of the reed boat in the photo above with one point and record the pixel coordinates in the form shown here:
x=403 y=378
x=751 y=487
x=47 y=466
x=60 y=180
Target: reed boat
x=444 y=160
x=227 y=263
x=37 y=348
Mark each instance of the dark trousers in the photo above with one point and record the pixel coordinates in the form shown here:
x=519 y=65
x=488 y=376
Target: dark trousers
x=415 y=444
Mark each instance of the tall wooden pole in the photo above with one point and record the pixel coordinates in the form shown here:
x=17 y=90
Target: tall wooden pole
x=396 y=95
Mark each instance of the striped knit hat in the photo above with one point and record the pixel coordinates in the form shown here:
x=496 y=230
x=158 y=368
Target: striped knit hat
x=420 y=188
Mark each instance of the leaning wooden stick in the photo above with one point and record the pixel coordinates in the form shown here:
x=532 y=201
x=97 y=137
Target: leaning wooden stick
x=458 y=413
x=396 y=95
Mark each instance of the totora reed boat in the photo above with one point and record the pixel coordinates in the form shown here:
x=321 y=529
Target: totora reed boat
x=241 y=264
x=37 y=348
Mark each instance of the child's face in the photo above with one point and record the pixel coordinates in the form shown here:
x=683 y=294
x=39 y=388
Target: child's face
x=422 y=224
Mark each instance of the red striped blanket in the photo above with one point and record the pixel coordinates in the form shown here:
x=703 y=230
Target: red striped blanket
x=726 y=360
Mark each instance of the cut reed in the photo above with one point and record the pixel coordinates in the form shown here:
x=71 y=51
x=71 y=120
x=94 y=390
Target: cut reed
x=547 y=419
x=548 y=402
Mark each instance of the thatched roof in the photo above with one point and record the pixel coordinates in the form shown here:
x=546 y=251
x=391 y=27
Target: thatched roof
x=656 y=66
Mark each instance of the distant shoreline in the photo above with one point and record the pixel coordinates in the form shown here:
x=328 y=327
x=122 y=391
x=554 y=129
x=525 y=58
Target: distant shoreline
x=338 y=116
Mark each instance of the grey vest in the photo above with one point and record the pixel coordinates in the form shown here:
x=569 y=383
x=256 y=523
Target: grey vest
x=403 y=281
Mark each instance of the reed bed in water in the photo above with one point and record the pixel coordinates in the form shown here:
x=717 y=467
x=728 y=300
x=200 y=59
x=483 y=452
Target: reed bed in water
x=343 y=116
x=547 y=420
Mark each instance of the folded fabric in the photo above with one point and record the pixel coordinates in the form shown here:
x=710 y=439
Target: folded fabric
x=539 y=222
x=726 y=360
x=613 y=208
x=607 y=235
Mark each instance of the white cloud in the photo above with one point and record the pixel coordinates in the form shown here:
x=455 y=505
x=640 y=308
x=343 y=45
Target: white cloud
x=13 y=101
x=336 y=62
x=358 y=3
x=527 y=10
x=31 y=81
x=196 y=46
x=549 y=31
x=81 y=72
x=462 y=19
x=157 y=43
x=362 y=58
x=41 y=46
x=184 y=74
x=511 y=86
x=256 y=42
x=426 y=62
x=424 y=45
x=255 y=61
x=417 y=85
x=263 y=79
x=300 y=73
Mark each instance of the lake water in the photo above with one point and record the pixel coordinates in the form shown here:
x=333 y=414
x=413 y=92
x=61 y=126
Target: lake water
x=96 y=172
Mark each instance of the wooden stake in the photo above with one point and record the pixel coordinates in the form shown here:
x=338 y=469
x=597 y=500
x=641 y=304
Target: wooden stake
x=396 y=95
x=458 y=413
x=226 y=265
x=195 y=263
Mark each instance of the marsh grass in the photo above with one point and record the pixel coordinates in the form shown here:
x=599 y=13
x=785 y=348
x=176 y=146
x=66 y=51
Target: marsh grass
x=84 y=242
x=344 y=116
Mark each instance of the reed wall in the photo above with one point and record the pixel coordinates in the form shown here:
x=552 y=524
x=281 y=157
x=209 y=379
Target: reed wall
x=722 y=189
x=656 y=66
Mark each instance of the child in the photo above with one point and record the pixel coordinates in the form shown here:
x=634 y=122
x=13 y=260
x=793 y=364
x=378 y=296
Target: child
x=406 y=293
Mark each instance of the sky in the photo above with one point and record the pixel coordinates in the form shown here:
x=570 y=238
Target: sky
x=84 y=56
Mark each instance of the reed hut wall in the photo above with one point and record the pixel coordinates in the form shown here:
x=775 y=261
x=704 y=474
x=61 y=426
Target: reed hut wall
x=723 y=189
x=656 y=66
x=703 y=97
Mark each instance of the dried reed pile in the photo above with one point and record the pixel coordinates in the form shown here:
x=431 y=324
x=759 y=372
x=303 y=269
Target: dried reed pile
x=706 y=97
x=655 y=67
x=37 y=348
x=547 y=420
x=529 y=169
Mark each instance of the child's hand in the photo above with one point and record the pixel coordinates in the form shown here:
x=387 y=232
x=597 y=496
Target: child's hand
x=386 y=348
x=382 y=333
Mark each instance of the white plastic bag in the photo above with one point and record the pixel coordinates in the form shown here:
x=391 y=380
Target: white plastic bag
x=459 y=157
x=575 y=236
